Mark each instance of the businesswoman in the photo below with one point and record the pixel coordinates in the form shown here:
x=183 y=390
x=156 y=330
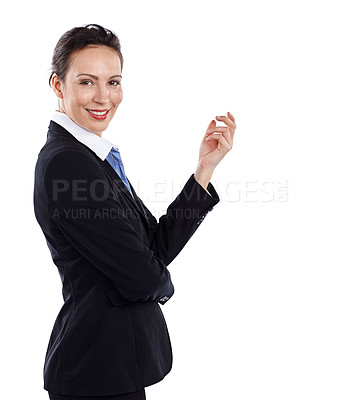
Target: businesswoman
x=109 y=340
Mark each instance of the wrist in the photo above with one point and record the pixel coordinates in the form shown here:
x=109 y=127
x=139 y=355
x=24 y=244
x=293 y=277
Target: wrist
x=203 y=175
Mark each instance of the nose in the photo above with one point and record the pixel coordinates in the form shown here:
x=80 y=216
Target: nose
x=101 y=95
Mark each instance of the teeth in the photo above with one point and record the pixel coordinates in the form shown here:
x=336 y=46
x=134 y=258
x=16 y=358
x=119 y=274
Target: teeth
x=98 y=112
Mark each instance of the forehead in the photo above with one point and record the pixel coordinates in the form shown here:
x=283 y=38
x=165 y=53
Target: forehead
x=95 y=60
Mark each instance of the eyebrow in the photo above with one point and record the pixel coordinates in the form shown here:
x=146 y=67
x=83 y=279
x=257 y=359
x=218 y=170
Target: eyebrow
x=95 y=77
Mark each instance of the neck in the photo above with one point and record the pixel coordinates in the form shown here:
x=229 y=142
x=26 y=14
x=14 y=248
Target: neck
x=95 y=133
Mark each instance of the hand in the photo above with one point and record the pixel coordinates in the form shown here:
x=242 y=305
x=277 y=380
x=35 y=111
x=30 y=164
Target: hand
x=215 y=146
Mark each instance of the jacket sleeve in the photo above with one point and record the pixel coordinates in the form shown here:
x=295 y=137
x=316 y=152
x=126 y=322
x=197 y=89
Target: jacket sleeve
x=88 y=213
x=181 y=220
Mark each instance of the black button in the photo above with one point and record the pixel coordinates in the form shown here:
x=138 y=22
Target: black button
x=164 y=299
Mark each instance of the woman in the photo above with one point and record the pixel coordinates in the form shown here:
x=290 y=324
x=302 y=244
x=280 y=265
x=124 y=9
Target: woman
x=109 y=339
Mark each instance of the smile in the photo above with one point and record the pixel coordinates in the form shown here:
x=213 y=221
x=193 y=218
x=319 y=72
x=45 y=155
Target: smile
x=98 y=114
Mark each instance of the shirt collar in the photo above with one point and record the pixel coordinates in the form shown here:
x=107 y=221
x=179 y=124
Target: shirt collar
x=99 y=145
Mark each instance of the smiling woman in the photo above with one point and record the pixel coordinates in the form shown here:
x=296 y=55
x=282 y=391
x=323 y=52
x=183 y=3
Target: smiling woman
x=90 y=91
x=110 y=339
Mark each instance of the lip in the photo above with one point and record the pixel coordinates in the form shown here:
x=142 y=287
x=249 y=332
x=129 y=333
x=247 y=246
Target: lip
x=98 y=117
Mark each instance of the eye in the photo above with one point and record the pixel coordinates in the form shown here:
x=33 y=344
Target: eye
x=114 y=83
x=86 y=83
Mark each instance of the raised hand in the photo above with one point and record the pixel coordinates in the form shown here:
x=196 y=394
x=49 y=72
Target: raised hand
x=214 y=147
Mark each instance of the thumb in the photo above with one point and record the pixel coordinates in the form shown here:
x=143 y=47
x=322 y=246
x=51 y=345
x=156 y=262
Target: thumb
x=211 y=125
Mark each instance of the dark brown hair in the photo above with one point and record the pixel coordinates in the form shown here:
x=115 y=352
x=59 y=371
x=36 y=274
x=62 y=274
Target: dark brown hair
x=77 y=39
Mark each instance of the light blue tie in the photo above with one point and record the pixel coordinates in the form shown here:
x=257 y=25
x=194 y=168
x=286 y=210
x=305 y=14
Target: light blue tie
x=114 y=159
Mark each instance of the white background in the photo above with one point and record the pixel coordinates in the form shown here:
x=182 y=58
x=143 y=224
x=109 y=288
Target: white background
x=257 y=308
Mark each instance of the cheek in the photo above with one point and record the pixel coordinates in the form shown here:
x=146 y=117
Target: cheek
x=81 y=97
x=116 y=97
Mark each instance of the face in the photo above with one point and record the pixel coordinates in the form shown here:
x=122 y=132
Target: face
x=91 y=90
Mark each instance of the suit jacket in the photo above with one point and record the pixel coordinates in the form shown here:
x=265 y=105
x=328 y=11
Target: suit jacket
x=110 y=335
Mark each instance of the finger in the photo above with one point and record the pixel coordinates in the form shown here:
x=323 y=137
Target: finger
x=233 y=119
x=231 y=127
x=222 y=144
x=218 y=137
x=210 y=126
x=226 y=132
x=220 y=129
x=230 y=116
x=227 y=121
x=229 y=135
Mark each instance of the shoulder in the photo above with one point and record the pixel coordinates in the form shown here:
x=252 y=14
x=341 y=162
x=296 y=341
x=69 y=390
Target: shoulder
x=73 y=175
x=64 y=155
x=73 y=164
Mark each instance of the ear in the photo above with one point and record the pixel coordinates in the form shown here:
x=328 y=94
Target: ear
x=56 y=84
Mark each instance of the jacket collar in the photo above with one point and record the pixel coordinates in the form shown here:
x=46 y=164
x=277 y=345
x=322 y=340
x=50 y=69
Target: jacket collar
x=99 y=145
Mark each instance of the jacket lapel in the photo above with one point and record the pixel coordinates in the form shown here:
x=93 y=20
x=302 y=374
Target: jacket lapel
x=134 y=201
x=137 y=200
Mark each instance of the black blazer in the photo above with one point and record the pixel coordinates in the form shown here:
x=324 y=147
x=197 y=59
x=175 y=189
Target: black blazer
x=110 y=336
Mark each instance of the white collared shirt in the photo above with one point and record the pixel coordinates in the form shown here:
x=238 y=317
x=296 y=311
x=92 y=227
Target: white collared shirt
x=99 y=145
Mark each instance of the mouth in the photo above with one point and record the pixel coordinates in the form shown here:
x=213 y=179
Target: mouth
x=98 y=114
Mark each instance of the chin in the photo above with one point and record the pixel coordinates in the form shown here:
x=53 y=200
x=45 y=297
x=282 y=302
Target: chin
x=98 y=127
